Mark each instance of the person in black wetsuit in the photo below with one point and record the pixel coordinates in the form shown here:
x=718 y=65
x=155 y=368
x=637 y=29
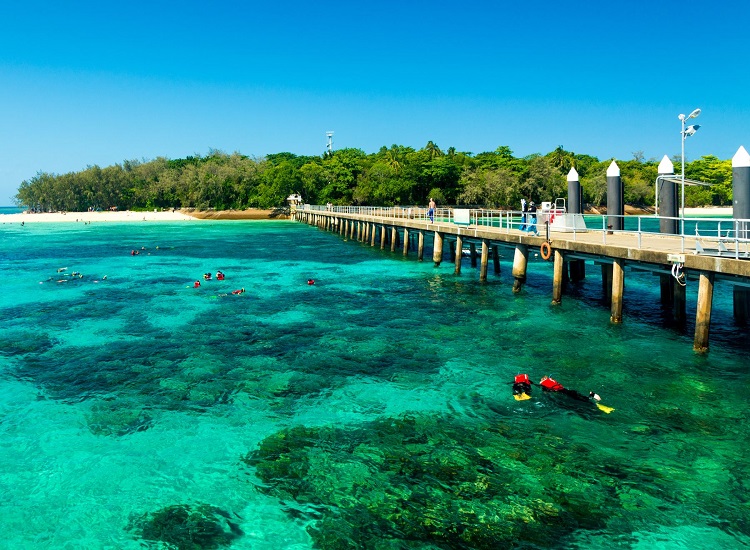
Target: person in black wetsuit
x=548 y=384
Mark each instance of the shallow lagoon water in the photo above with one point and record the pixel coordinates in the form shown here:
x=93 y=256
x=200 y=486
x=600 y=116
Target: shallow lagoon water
x=130 y=395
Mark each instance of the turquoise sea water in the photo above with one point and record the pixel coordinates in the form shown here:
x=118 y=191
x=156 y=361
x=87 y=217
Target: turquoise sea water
x=10 y=210
x=372 y=409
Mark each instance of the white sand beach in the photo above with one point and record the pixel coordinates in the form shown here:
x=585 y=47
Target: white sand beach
x=709 y=211
x=151 y=216
x=103 y=216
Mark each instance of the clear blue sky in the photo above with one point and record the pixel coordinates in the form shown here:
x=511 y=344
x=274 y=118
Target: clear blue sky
x=84 y=83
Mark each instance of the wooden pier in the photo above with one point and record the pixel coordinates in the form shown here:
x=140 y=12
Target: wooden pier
x=668 y=256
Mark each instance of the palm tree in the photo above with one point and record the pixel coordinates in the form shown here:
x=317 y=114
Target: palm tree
x=392 y=158
x=433 y=150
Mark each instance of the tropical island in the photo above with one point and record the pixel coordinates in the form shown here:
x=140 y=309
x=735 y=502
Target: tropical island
x=396 y=175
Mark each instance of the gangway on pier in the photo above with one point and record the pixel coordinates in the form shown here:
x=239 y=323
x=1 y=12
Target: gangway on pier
x=559 y=219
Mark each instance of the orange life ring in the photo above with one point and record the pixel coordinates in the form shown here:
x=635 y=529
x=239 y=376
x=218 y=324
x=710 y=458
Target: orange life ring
x=546 y=251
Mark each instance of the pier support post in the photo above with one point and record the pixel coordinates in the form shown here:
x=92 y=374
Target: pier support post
x=437 y=249
x=607 y=283
x=406 y=241
x=485 y=260
x=678 y=304
x=373 y=230
x=351 y=227
x=473 y=254
x=382 y=237
x=496 y=259
x=741 y=192
x=557 y=278
x=703 y=313
x=394 y=238
x=359 y=232
x=520 y=262
x=666 y=282
x=618 y=285
x=741 y=305
x=420 y=246
x=577 y=270
x=459 y=248
x=341 y=226
x=667 y=194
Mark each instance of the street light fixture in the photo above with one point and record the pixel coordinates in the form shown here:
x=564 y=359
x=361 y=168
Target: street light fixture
x=686 y=132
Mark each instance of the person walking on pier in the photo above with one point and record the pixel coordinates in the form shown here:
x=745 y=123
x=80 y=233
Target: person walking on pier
x=523 y=215
x=431 y=209
x=532 y=215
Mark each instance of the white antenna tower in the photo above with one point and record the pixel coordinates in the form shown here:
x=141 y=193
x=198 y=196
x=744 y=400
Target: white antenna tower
x=329 y=146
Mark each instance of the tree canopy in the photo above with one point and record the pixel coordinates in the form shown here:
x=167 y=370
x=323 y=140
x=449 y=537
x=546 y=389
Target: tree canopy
x=395 y=175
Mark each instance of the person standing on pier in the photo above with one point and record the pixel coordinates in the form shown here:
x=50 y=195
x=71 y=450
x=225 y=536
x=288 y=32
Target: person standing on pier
x=431 y=209
x=523 y=215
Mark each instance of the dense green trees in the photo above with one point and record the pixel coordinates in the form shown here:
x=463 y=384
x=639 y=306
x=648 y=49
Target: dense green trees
x=398 y=175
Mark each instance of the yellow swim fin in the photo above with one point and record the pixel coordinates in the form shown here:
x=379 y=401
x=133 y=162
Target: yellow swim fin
x=521 y=396
x=604 y=408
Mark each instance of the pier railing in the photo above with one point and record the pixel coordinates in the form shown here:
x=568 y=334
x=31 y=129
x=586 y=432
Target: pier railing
x=701 y=235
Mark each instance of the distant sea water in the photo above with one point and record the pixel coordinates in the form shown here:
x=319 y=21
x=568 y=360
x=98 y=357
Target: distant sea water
x=10 y=210
x=371 y=409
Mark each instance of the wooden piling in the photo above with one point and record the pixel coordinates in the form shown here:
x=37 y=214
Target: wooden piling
x=406 y=241
x=703 y=311
x=373 y=230
x=484 y=261
x=437 y=249
x=382 y=237
x=520 y=262
x=420 y=246
x=457 y=259
x=394 y=237
x=618 y=286
x=557 y=278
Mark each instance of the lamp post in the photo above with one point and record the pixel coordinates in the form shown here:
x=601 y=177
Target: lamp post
x=686 y=132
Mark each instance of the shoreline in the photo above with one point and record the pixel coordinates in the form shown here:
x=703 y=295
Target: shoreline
x=190 y=214
x=146 y=216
